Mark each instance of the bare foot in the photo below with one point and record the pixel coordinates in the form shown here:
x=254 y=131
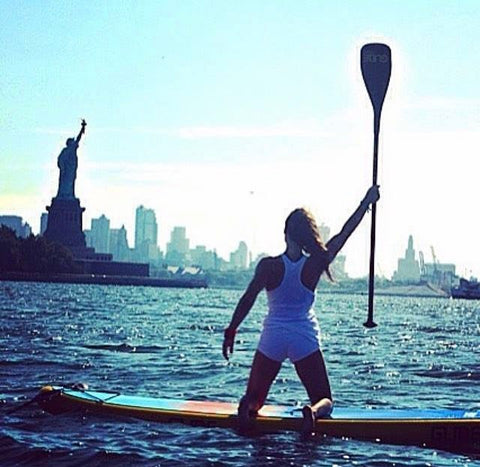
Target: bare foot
x=245 y=416
x=308 y=422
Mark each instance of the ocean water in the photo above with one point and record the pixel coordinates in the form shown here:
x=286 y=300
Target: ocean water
x=425 y=353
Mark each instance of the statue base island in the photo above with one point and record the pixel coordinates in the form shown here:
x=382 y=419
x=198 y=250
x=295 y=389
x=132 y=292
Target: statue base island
x=65 y=226
x=65 y=223
x=65 y=213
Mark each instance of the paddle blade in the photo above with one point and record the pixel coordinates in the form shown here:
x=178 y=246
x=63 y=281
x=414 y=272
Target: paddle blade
x=376 y=64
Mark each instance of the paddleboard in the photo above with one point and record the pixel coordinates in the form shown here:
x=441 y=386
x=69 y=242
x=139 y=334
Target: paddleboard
x=457 y=430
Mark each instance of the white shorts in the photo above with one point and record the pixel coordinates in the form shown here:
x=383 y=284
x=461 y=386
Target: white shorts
x=294 y=342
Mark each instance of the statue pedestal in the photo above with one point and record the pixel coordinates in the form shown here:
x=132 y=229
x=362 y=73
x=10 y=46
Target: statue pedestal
x=65 y=222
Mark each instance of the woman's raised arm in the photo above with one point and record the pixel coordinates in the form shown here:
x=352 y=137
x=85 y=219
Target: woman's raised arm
x=335 y=244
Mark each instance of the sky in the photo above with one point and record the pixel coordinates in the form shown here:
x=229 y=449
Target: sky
x=223 y=116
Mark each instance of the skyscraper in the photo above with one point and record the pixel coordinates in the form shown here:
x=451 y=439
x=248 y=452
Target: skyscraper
x=178 y=247
x=16 y=224
x=202 y=257
x=43 y=222
x=146 y=229
x=146 y=233
x=408 y=268
x=239 y=258
x=178 y=241
x=100 y=234
x=118 y=244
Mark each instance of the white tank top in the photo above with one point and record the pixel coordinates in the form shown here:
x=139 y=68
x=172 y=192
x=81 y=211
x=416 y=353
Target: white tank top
x=291 y=300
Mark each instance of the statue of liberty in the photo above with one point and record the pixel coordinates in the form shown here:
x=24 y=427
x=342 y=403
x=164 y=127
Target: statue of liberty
x=67 y=163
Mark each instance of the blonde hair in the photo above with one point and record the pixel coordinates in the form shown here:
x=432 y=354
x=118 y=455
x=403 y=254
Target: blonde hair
x=302 y=228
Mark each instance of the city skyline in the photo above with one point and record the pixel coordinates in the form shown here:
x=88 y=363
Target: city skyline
x=410 y=268
x=99 y=235
x=225 y=117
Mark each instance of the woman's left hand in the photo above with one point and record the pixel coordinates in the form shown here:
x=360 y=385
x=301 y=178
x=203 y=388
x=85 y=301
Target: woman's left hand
x=228 y=341
x=227 y=347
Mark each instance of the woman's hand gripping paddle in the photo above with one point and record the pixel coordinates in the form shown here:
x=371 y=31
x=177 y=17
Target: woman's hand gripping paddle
x=376 y=64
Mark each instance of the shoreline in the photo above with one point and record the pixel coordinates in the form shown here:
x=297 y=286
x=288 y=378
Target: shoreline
x=104 y=280
x=416 y=291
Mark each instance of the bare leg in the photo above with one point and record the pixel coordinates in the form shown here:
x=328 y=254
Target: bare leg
x=263 y=372
x=313 y=375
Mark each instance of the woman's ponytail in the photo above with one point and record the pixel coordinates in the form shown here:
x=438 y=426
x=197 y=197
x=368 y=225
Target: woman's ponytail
x=303 y=229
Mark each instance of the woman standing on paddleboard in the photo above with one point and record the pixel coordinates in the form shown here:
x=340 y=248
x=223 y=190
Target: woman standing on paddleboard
x=291 y=329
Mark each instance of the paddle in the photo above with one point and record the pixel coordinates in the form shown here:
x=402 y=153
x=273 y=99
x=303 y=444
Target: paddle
x=376 y=64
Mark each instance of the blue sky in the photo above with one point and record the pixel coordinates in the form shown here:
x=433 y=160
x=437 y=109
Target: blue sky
x=193 y=105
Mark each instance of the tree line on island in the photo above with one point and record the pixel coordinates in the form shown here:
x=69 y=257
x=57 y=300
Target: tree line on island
x=34 y=254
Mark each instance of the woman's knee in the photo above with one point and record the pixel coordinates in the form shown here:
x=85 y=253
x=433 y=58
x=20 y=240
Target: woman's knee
x=324 y=407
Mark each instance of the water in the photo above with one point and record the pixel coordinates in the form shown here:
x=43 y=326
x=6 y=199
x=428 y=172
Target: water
x=167 y=342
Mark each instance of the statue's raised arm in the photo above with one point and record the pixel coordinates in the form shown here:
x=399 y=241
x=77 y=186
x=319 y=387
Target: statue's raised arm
x=82 y=131
x=67 y=163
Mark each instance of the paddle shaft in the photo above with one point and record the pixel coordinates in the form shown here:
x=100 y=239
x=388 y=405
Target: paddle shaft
x=376 y=69
x=371 y=282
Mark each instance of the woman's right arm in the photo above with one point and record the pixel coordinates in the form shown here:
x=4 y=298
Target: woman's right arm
x=335 y=244
x=244 y=306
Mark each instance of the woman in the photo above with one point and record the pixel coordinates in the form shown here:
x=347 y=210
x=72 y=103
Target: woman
x=290 y=328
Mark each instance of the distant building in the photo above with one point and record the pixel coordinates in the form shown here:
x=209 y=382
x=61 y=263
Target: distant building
x=178 y=240
x=17 y=225
x=88 y=238
x=220 y=263
x=441 y=274
x=100 y=234
x=408 y=269
x=202 y=257
x=118 y=244
x=146 y=228
x=338 y=265
x=146 y=235
x=43 y=222
x=338 y=268
x=239 y=257
x=443 y=268
x=324 y=232
x=191 y=271
x=178 y=247
x=149 y=253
